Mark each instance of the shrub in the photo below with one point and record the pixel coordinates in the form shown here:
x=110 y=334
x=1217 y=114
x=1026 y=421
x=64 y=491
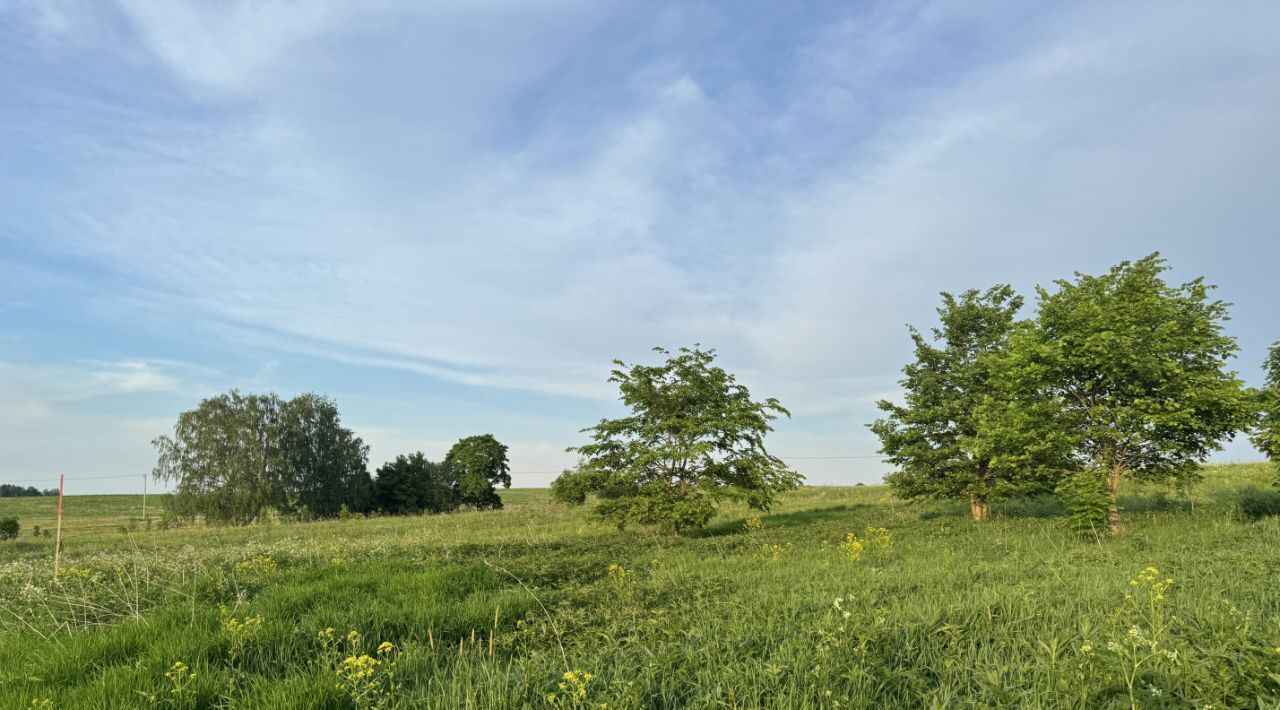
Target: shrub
x=570 y=489
x=1255 y=504
x=1085 y=495
x=9 y=528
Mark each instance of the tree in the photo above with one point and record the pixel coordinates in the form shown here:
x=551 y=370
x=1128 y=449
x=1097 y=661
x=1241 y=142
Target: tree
x=474 y=466
x=235 y=455
x=8 y=490
x=225 y=458
x=412 y=484
x=694 y=437
x=937 y=438
x=328 y=463
x=1134 y=369
x=1266 y=435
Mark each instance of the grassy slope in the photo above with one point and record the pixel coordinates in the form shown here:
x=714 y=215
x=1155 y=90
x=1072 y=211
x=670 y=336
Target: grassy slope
x=954 y=614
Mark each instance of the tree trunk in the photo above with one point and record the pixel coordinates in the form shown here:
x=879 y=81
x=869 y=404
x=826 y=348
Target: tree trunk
x=979 y=507
x=1113 y=492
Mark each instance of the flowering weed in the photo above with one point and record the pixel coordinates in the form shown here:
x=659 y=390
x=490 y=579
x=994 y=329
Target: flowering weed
x=574 y=691
x=369 y=680
x=1144 y=645
x=776 y=552
x=258 y=565
x=181 y=679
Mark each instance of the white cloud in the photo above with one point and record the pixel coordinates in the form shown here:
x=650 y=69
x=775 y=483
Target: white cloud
x=47 y=385
x=53 y=422
x=128 y=377
x=392 y=185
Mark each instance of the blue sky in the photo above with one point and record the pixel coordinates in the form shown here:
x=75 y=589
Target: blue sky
x=452 y=216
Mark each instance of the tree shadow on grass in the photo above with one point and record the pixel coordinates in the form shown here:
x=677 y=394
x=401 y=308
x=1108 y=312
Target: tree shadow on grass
x=1047 y=505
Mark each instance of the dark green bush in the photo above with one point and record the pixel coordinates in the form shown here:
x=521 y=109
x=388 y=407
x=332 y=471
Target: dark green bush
x=1255 y=504
x=9 y=528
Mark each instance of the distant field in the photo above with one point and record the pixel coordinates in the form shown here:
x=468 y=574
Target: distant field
x=84 y=517
x=95 y=520
x=941 y=612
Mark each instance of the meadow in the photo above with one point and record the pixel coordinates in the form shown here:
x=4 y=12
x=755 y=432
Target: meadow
x=838 y=598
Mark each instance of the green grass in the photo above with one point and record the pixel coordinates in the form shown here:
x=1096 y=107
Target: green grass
x=1014 y=612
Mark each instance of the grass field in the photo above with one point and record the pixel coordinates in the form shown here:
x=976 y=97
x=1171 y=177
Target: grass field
x=539 y=606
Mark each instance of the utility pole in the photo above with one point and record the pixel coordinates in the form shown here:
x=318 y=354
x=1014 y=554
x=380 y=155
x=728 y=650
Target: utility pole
x=144 y=501
x=57 y=545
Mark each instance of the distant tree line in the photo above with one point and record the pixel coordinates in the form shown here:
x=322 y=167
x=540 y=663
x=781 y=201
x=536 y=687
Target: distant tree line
x=1115 y=377
x=237 y=457
x=8 y=490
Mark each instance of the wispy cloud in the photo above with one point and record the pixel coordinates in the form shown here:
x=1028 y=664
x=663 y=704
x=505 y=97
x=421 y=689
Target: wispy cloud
x=73 y=382
x=504 y=195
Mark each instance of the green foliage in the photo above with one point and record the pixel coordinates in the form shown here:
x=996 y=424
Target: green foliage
x=326 y=463
x=1258 y=504
x=1085 y=495
x=412 y=484
x=1009 y=614
x=570 y=488
x=942 y=440
x=467 y=477
x=8 y=490
x=694 y=438
x=474 y=466
x=1266 y=436
x=1134 y=371
x=9 y=528
x=236 y=455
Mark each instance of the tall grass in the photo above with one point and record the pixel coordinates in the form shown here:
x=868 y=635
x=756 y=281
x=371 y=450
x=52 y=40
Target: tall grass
x=1013 y=612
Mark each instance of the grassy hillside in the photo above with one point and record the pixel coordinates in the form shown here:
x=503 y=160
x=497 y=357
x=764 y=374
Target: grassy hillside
x=492 y=610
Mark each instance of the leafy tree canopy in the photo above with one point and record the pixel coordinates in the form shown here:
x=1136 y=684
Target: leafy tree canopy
x=412 y=484
x=1267 y=434
x=694 y=437
x=237 y=454
x=475 y=465
x=936 y=438
x=327 y=463
x=1135 y=371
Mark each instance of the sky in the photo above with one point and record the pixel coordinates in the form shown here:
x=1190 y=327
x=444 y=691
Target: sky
x=452 y=216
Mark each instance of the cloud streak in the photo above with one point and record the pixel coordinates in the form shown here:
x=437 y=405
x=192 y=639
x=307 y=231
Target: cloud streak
x=495 y=195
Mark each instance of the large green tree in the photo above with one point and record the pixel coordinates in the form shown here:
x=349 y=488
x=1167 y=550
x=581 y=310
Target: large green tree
x=694 y=437
x=237 y=454
x=936 y=438
x=1267 y=434
x=474 y=466
x=412 y=484
x=327 y=463
x=1136 y=372
x=225 y=458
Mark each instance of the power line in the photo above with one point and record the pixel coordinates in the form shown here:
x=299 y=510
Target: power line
x=73 y=478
